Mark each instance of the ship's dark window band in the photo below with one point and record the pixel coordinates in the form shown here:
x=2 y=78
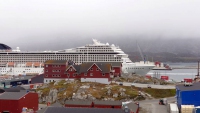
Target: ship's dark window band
x=57 y=53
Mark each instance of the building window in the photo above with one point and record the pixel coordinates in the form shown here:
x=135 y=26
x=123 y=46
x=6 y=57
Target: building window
x=46 y=75
x=68 y=74
x=97 y=69
x=91 y=74
x=91 y=69
x=103 y=74
x=46 y=65
x=74 y=74
x=70 y=69
x=46 y=70
x=85 y=74
x=46 y=80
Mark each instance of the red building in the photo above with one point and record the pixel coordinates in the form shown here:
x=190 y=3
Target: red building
x=87 y=72
x=117 y=68
x=13 y=102
x=54 y=70
x=94 y=104
x=93 y=72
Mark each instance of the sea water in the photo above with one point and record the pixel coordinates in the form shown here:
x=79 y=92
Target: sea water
x=176 y=74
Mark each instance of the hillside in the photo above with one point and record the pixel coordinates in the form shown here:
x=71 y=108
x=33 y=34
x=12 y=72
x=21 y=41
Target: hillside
x=75 y=90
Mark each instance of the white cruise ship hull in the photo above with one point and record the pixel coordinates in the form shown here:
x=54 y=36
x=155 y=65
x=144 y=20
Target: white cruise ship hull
x=139 y=68
x=20 y=71
x=16 y=62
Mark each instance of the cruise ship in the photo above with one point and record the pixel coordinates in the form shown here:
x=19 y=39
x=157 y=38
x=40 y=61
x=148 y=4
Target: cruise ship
x=17 y=62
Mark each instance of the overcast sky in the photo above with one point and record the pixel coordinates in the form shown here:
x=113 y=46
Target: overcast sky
x=27 y=23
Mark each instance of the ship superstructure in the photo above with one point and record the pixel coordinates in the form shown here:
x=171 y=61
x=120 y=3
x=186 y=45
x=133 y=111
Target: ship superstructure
x=15 y=62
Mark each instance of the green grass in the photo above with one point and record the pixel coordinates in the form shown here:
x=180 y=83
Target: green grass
x=160 y=93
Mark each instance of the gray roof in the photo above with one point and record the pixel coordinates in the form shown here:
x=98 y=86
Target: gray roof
x=15 y=89
x=12 y=95
x=37 y=79
x=77 y=67
x=77 y=102
x=195 y=86
x=56 y=104
x=81 y=110
x=42 y=110
x=112 y=103
x=105 y=67
x=12 y=90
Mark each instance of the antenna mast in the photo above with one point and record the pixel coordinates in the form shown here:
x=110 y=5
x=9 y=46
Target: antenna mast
x=140 y=51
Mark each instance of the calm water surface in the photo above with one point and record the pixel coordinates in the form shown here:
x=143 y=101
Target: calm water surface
x=177 y=74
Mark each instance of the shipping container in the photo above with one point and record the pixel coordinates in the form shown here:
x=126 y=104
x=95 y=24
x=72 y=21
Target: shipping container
x=148 y=76
x=188 y=95
x=196 y=109
x=163 y=77
x=173 y=108
x=187 y=108
x=188 y=80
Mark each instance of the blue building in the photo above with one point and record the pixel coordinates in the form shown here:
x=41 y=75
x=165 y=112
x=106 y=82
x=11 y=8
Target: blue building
x=188 y=95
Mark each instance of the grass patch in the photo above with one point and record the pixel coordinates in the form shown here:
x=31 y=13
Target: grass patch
x=160 y=93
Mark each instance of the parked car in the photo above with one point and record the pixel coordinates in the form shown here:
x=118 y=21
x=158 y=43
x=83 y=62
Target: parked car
x=121 y=83
x=148 y=86
x=133 y=84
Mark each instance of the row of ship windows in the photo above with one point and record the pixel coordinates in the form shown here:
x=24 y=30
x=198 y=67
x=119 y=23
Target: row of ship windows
x=96 y=50
x=76 y=61
x=52 y=55
x=66 y=58
x=99 y=57
x=134 y=68
x=97 y=47
x=11 y=68
x=26 y=71
x=74 y=74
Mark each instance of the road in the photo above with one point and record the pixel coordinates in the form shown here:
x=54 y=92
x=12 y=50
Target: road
x=152 y=106
x=152 y=85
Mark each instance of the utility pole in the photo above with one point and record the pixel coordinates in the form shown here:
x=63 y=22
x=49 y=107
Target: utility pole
x=198 y=69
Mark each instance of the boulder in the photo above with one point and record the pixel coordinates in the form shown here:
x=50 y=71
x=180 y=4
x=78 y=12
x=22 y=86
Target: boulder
x=115 y=95
x=56 y=83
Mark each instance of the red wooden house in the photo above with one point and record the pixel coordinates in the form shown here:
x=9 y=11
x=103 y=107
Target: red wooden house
x=93 y=72
x=54 y=70
x=87 y=72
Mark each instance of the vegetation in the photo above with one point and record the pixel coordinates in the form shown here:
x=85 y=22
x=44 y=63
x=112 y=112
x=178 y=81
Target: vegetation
x=160 y=93
x=100 y=91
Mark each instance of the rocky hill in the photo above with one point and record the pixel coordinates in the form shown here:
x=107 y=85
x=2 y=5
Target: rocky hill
x=75 y=90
